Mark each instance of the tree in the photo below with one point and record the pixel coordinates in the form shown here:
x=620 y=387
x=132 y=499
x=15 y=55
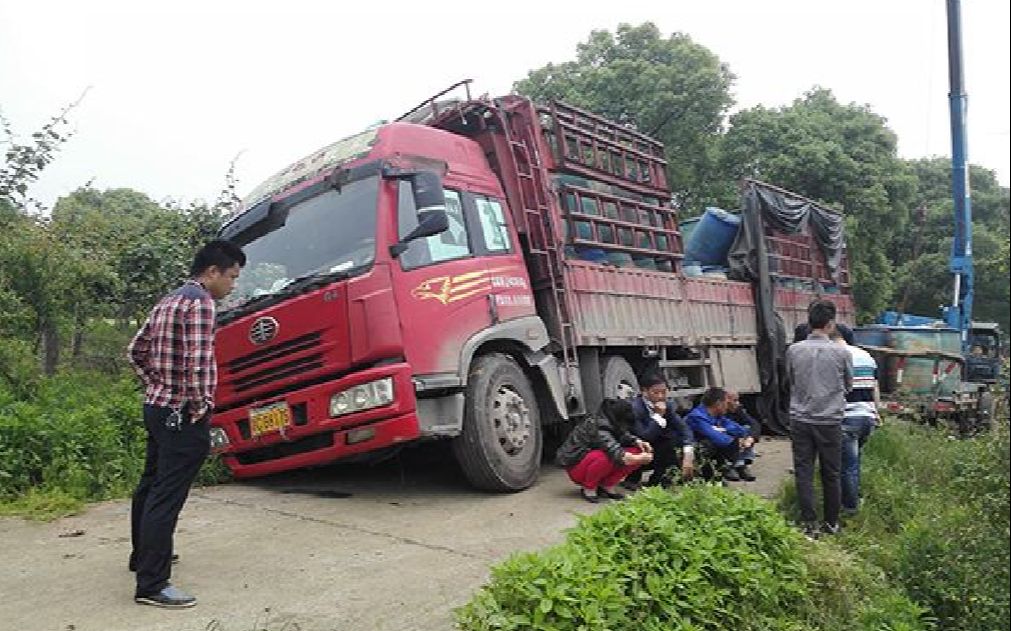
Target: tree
x=24 y=162
x=98 y=255
x=668 y=87
x=843 y=155
x=141 y=248
x=925 y=276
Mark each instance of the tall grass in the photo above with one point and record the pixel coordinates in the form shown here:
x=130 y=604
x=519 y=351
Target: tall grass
x=935 y=518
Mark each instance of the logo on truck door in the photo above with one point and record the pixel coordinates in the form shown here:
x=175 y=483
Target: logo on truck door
x=448 y=289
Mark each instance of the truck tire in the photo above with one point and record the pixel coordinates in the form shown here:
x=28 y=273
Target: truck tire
x=985 y=411
x=619 y=380
x=500 y=446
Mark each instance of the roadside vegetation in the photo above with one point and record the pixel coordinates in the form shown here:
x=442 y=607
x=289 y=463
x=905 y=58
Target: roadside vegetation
x=701 y=558
x=929 y=550
x=935 y=519
x=70 y=439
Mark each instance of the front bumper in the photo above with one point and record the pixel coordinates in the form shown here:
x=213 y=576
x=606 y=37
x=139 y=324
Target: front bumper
x=313 y=437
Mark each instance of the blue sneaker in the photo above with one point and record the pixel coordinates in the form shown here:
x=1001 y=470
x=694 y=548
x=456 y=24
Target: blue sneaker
x=169 y=598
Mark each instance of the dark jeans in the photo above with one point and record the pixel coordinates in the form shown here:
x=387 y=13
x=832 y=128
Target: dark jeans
x=823 y=442
x=715 y=458
x=727 y=455
x=173 y=461
x=854 y=434
x=666 y=454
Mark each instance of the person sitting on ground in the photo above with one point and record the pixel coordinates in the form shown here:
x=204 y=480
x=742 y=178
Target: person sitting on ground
x=730 y=443
x=739 y=415
x=658 y=424
x=600 y=452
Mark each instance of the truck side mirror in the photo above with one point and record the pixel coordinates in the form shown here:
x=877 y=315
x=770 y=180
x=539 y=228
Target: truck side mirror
x=427 y=189
x=430 y=201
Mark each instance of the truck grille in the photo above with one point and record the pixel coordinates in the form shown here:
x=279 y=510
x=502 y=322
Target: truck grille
x=264 y=355
x=276 y=373
x=243 y=375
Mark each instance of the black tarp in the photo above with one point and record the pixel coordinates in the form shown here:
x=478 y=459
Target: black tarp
x=761 y=205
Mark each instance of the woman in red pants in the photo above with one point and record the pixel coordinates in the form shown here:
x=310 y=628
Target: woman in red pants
x=600 y=452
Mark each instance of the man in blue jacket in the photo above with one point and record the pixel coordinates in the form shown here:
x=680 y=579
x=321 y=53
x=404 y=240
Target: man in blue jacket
x=658 y=424
x=731 y=443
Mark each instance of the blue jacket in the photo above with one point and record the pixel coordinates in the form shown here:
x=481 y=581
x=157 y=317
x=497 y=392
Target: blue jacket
x=704 y=426
x=650 y=431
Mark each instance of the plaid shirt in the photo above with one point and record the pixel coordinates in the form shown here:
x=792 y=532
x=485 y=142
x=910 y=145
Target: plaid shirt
x=174 y=351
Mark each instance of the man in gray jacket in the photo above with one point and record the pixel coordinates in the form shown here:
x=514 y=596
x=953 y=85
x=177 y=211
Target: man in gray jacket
x=820 y=373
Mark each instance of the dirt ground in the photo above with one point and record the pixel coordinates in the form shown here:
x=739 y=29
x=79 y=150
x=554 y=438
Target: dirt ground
x=390 y=547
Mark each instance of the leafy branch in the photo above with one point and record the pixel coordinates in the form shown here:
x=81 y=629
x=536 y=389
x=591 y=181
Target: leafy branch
x=24 y=161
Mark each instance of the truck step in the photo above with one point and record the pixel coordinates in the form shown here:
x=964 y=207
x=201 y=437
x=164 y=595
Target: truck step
x=684 y=363
x=687 y=392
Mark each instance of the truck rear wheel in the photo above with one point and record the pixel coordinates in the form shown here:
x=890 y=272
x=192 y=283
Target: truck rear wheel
x=618 y=378
x=500 y=446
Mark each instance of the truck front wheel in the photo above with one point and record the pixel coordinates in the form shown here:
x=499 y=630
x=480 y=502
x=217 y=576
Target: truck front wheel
x=500 y=446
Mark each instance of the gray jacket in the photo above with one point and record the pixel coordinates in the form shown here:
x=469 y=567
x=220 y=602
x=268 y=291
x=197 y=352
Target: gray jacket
x=820 y=373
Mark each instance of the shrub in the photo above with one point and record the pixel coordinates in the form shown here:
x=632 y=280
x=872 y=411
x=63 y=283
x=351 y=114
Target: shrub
x=704 y=558
x=79 y=438
x=935 y=518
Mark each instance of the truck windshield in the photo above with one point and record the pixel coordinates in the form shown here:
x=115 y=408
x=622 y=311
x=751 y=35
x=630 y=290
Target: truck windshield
x=331 y=233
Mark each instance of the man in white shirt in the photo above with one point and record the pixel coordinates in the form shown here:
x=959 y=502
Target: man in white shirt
x=859 y=420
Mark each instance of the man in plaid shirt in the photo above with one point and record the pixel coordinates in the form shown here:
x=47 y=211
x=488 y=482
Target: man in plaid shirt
x=174 y=355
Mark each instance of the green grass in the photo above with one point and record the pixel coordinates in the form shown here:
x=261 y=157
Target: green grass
x=73 y=439
x=935 y=519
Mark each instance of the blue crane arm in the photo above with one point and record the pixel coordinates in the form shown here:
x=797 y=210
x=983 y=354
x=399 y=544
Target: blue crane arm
x=959 y=314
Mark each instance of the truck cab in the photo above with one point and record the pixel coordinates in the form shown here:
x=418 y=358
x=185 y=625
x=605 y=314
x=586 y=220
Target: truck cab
x=983 y=361
x=376 y=268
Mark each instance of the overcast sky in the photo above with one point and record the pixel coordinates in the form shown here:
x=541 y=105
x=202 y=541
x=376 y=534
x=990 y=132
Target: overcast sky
x=179 y=88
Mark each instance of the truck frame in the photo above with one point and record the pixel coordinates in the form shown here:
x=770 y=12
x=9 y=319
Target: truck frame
x=479 y=318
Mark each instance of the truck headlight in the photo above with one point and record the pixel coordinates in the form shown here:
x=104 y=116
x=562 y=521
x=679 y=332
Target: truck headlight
x=364 y=397
x=219 y=439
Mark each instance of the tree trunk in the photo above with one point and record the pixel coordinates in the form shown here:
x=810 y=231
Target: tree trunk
x=77 y=343
x=50 y=346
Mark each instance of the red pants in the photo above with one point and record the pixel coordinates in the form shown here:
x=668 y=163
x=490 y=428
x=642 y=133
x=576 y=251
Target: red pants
x=596 y=469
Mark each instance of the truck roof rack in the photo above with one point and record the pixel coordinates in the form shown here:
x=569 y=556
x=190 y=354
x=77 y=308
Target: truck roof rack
x=432 y=107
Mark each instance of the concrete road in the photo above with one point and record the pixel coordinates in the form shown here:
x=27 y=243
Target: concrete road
x=390 y=547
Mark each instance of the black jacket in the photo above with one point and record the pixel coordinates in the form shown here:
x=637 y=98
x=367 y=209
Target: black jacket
x=650 y=431
x=595 y=432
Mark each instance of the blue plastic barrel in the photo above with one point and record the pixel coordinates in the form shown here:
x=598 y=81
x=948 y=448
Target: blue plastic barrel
x=620 y=259
x=644 y=262
x=687 y=226
x=711 y=239
x=594 y=255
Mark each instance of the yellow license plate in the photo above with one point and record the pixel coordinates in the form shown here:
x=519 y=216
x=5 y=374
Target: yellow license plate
x=269 y=419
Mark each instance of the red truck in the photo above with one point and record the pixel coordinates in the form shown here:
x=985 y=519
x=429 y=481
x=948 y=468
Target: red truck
x=477 y=271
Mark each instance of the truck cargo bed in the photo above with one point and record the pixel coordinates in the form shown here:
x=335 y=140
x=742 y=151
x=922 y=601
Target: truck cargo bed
x=635 y=307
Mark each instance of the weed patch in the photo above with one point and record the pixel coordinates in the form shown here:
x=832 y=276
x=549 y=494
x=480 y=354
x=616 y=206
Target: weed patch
x=78 y=438
x=935 y=518
x=702 y=558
